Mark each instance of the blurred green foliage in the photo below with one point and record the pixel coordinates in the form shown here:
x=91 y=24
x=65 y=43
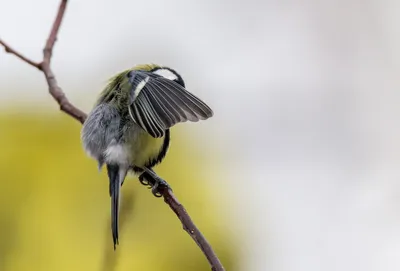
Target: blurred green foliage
x=55 y=208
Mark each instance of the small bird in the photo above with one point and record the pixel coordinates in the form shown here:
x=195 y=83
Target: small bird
x=128 y=128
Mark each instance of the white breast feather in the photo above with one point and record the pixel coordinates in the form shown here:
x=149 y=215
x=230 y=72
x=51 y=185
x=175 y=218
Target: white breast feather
x=116 y=154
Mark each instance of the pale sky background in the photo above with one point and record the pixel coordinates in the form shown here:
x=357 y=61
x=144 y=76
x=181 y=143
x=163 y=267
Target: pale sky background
x=306 y=99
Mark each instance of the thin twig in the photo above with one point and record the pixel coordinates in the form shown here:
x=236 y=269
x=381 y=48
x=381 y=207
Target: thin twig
x=192 y=230
x=48 y=48
x=57 y=93
x=10 y=50
x=54 y=89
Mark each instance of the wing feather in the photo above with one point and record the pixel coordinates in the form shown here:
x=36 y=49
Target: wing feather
x=180 y=102
x=162 y=110
x=152 y=125
x=203 y=110
x=173 y=105
x=157 y=104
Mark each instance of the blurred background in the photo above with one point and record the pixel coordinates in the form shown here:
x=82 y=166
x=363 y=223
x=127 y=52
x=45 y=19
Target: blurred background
x=297 y=170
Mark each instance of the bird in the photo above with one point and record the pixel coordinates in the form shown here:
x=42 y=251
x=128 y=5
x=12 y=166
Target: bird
x=128 y=129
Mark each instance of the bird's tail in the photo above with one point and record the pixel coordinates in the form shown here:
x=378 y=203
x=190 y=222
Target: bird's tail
x=115 y=185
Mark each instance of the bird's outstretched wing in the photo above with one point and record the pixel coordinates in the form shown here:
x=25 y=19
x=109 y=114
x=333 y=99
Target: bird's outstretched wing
x=157 y=103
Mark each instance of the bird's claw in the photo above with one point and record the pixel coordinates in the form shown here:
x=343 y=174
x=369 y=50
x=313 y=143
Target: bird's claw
x=144 y=181
x=159 y=186
x=154 y=182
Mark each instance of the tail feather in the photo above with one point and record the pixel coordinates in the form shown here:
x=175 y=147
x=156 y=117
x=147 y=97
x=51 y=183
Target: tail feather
x=113 y=175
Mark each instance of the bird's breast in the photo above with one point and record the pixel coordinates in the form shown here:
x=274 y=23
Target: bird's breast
x=143 y=148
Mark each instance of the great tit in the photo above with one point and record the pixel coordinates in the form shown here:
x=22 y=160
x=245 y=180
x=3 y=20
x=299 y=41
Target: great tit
x=128 y=128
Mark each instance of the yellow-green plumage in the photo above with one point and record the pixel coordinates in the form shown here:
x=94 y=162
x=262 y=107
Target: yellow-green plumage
x=142 y=149
x=145 y=149
x=128 y=129
x=120 y=80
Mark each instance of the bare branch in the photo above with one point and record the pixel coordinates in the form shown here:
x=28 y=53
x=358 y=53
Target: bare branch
x=192 y=230
x=54 y=89
x=57 y=93
x=10 y=50
x=48 y=48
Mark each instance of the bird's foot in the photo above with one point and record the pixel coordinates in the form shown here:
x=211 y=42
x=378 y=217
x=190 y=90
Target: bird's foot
x=157 y=184
x=143 y=179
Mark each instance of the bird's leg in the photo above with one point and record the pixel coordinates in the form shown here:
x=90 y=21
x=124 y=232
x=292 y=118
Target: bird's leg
x=149 y=177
